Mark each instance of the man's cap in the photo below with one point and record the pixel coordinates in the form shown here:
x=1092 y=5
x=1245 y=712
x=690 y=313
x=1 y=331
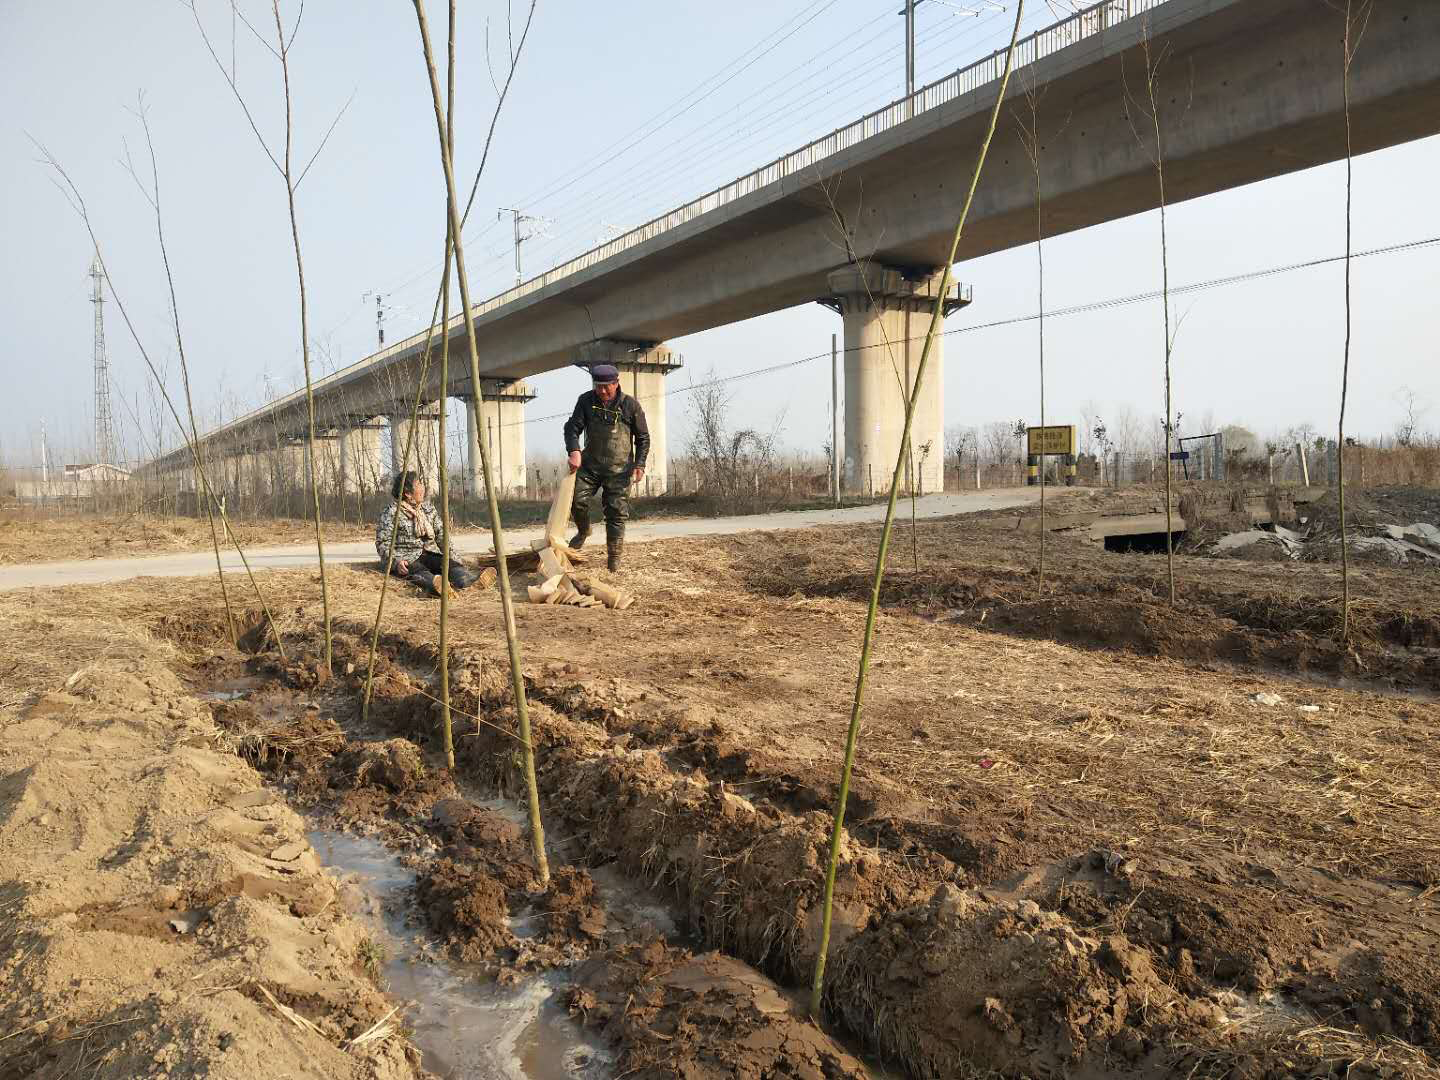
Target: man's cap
x=604 y=373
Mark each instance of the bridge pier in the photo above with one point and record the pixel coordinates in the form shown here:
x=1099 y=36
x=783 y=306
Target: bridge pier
x=249 y=479
x=361 y=464
x=886 y=314
x=425 y=455
x=643 y=367
x=498 y=417
x=327 y=462
x=290 y=467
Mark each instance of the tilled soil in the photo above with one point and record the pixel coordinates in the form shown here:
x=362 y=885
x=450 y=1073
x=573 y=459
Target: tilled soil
x=161 y=913
x=1066 y=854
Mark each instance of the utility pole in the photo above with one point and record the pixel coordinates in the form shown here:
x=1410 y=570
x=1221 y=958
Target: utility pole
x=518 y=218
x=45 y=464
x=379 y=316
x=104 y=429
x=909 y=58
x=909 y=12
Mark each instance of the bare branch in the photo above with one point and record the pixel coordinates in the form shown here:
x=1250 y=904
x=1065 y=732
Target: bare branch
x=234 y=89
x=77 y=202
x=515 y=52
x=329 y=131
x=237 y=14
x=285 y=50
x=490 y=61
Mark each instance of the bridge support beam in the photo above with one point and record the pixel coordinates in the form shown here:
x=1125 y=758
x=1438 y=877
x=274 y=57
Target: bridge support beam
x=425 y=455
x=498 y=417
x=643 y=367
x=361 y=464
x=886 y=313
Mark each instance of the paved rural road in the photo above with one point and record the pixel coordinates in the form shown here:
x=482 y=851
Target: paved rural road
x=476 y=541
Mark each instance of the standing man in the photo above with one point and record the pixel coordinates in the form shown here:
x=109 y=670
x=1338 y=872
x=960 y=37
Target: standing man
x=617 y=442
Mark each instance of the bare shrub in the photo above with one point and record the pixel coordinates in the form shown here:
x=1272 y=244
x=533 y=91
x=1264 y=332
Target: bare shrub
x=727 y=463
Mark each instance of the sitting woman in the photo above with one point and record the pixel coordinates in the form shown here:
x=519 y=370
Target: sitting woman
x=419 y=539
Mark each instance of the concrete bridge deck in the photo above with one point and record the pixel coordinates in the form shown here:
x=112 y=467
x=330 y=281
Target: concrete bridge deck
x=1250 y=89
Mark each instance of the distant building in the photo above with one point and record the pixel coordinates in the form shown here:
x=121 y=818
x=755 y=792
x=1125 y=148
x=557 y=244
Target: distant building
x=74 y=482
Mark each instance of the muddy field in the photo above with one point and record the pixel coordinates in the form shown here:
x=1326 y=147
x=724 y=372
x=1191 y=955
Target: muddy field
x=1089 y=835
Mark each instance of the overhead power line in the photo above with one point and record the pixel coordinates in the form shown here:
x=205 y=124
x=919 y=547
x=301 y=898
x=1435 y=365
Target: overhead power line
x=1075 y=309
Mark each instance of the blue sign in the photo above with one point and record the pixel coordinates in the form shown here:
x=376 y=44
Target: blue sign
x=1180 y=455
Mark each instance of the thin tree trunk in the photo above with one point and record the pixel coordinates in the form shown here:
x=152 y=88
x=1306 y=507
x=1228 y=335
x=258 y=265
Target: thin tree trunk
x=395 y=521
x=497 y=532
x=1348 y=57
x=284 y=53
x=1031 y=138
x=445 y=724
x=1152 y=66
x=154 y=198
x=425 y=363
x=852 y=736
x=78 y=204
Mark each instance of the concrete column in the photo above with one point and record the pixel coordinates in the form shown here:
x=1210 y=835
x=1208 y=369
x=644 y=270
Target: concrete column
x=327 y=462
x=260 y=473
x=425 y=456
x=885 y=316
x=290 y=467
x=361 y=464
x=228 y=481
x=244 y=486
x=643 y=367
x=498 y=418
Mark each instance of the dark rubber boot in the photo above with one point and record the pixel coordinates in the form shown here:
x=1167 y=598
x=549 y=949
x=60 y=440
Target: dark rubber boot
x=614 y=550
x=582 y=527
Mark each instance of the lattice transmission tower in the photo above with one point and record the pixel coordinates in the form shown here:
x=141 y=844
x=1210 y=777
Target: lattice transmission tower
x=104 y=428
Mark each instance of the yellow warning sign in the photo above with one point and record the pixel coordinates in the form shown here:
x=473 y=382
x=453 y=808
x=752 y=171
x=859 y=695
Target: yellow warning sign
x=1053 y=439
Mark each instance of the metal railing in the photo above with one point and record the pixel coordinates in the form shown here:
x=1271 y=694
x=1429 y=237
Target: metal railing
x=1068 y=31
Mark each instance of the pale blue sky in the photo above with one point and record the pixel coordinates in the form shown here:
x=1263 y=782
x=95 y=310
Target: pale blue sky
x=620 y=112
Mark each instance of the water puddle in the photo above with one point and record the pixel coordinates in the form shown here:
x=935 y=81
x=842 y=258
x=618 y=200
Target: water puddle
x=229 y=689
x=1268 y=1011
x=464 y=1025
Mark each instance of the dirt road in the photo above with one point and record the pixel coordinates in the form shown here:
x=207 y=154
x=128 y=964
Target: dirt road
x=198 y=563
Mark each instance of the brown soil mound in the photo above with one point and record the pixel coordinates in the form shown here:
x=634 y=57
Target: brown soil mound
x=747 y=875
x=671 y=1014
x=161 y=910
x=1131 y=612
x=467 y=907
x=394 y=763
x=1002 y=986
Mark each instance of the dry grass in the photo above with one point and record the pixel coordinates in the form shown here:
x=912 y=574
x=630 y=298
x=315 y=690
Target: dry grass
x=51 y=640
x=26 y=538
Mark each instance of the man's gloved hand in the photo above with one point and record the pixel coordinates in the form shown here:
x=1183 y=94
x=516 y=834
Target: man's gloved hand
x=574 y=460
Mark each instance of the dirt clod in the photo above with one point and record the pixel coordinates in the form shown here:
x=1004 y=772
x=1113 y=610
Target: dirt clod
x=671 y=1013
